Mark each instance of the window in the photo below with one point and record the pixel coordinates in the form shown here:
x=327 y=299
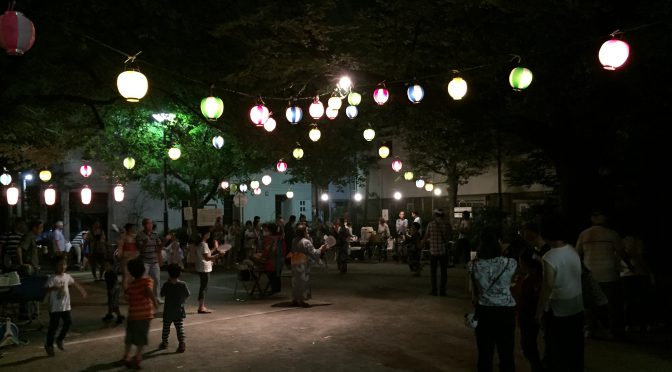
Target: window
x=302 y=206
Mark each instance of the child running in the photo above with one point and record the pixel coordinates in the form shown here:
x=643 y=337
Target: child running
x=59 y=304
x=112 y=283
x=175 y=292
x=141 y=305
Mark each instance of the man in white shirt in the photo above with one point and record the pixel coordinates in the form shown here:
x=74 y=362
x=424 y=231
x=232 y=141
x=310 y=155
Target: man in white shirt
x=59 y=243
x=401 y=225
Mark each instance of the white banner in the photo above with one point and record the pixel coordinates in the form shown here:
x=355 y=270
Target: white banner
x=207 y=217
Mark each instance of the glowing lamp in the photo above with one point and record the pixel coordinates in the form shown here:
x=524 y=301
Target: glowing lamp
x=297 y=153
x=613 y=54
x=354 y=98
x=294 y=114
x=381 y=95
x=335 y=103
x=270 y=125
x=254 y=184
x=420 y=183
x=132 y=85
x=429 y=186
x=415 y=93
x=234 y=188
x=397 y=195
x=290 y=194
x=129 y=162
x=345 y=83
x=50 y=196
x=369 y=134
x=324 y=197
x=218 y=142
x=86 y=195
x=12 y=195
x=396 y=165
x=119 y=193
x=358 y=197
x=45 y=175
x=17 y=33
x=266 y=180
x=174 y=153
x=315 y=134
x=259 y=114
x=224 y=185
x=332 y=113
x=212 y=108
x=281 y=166
x=242 y=187
x=85 y=170
x=457 y=88
x=257 y=191
x=351 y=112
x=408 y=176
x=520 y=78
x=383 y=151
x=437 y=191
x=5 y=179
x=316 y=109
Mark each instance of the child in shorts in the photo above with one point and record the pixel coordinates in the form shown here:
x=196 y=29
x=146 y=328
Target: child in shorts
x=112 y=284
x=175 y=292
x=141 y=305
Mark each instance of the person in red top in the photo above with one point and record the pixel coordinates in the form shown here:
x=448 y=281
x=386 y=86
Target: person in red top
x=527 y=299
x=271 y=258
x=141 y=305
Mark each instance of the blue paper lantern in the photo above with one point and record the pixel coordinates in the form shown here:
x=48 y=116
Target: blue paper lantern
x=351 y=112
x=294 y=114
x=415 y=93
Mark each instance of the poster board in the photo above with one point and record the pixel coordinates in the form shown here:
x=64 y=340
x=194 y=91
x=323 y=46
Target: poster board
x=207 y=216
x=187 y=213
x=385 y=214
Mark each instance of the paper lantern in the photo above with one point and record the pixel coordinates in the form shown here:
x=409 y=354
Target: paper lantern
x=5 y=179
x=381 y=95
x=520 y=78
x=324 y=197
x=335 y=103
x=315 y=134
x=129 y=162
x=408 y=176
x=429 y=186
x=420 y=183
x=316 y=109
x=132 y=85
x=397 y=195
x=358 y=197
x=119 y=193
x=259 y=114
x=294 y=114
x=383 y=151
x=345 y=84
x=224 y=185
x=281 y=166
x=12 y=195
x=49 y=196
x=297 y=153
x=17 y=33
x=396 y=165
x=86 y=195
x=85 y=170
x=354 y=98
x=351 y=112
x=218 y=142
x=242 y=187
x=613 y=54
x=234 y=188
x=212 y=108
x=257 y=191
x=369 y=134
x=457 y=88
x=266 y=180
x=254 y=184
x=290 y=194
x=437 y=191
x=270 y=125
x=332 y=113
x=415 y=93
x=45 y=175
x=174 y=153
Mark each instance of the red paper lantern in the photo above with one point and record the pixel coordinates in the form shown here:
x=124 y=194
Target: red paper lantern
x=17 y=33
x=85 y=170
x=281 y=166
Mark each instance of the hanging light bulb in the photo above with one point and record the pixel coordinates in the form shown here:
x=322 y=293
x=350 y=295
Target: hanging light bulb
x=254 y=184
x=266 y=180
x=224 y=185
x=86 y=195
x=242 y=187
x=415 y=93
x=335 y=103
x=281 y=166
x=358 y=197
x=85 y=170
x=520 y=78
x=437 y=191
x=397 y=195
x=383 y=151
x=259 y=114
x=613 y=54
x=5 y=179
x=49 y=196
x=212 y=108
x=429 y=186
x=297 y=153
x=315 y=134
x=354 y=98
x=218 y=142
x=174 y=153
x=420 y=183
x=332 y=113
x=351 y=112
x=45 y=175
x=408 y=176
x=129 y=162
x=345 y=84
x=12 y=195
x=369 y=134
x=316 y=109
x=294 y=114
x=119 y=193
x=457 y=88
x=257 y=191
x=396 y=165
x=290 y=194
x=270 y=125
x=132 y=85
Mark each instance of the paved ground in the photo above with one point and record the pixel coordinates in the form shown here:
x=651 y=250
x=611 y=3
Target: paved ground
x=375 y=318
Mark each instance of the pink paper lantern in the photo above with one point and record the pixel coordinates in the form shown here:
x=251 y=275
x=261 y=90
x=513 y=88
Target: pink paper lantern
x=259 y=114
x=396 y=165
x=281 y=166
x=381 y=95
x=613 y=54
x=17 y=33
x=85 y=170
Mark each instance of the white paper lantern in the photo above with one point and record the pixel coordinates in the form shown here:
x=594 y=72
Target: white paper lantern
x=358 y=197
x=5 y=179
x=429 y=186
x=420 y=183
x=132 y=85
x=266 y=180
x=457 y=88
x=224 y=185
x=290 y=194
x=334 y=103
x=437 y=191
x=119 y=193
x=324 y=197
x=12 y=195
x=174 y=153
x=86 y=195
x=50 y=196
x=369 y=134
x=316 y=109
x=129 y=162
x=218 y=142
x=383 y=151
x=332 y=113
x=254 y=184
x=242 y=187
x=397 y=195
x=257 y=191
x=45 y=175
x=315 y=134
x=270 y=125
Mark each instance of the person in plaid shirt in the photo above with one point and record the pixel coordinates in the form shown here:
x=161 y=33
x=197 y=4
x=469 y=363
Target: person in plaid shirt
x=438 y=235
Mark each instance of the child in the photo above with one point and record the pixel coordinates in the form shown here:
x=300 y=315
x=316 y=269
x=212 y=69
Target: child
x=112 y=284
x=175 y=292
x=59 y=304
x=141 y=305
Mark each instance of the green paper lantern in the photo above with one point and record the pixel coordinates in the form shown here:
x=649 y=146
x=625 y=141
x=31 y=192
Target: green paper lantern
x=212 y=108
x=354 y=98
x=520 y=78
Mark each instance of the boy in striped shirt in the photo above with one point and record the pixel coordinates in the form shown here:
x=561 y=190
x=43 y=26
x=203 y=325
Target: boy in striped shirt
x=141 y=305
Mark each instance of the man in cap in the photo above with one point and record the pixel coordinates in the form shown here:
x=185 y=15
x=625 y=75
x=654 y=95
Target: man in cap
x=437 y=236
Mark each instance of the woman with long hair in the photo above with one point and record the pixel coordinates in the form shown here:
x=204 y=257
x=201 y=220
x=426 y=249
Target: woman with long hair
x=302 y=251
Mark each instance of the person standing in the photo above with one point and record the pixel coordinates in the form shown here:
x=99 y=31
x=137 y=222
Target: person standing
x=148 y=244
x=95 y=239
x=58 y=240
x=289 y=230
x=128 y=251
x=416 y=218
x=302 y=251
x=11 y=254
x=464 y=238
x=343 y=236
x=204 y=267
x=28 y=249
x=176 y=293
x=141 y=306
x=437 y=236
x=383 y=234
x=414 y=248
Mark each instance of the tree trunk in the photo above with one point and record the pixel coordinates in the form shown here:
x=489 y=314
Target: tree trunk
x=453 y=186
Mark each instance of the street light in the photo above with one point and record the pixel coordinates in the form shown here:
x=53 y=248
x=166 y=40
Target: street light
x=160 y=118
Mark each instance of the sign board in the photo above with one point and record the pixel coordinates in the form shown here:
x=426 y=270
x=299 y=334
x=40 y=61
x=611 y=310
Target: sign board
x=385 y=214
x=207 y=217
x=240 y=200
x=188 y=213
x=457 y=211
